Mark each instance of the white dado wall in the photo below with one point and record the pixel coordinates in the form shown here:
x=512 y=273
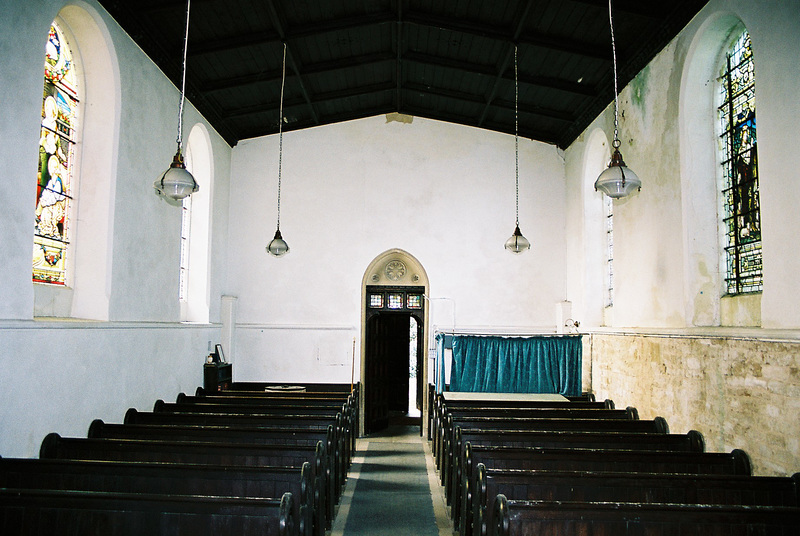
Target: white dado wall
x=443 y=193
x=60 y=376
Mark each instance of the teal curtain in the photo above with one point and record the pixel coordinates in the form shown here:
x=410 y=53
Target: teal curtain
x=542 y=364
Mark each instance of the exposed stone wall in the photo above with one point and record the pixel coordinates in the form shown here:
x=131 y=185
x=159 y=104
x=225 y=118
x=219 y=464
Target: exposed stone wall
x=739 y=393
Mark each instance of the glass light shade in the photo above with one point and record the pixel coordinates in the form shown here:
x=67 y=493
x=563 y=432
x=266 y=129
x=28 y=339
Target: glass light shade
x=176 y=183
x=617 y=180
x=517 y=243
x=278 y=247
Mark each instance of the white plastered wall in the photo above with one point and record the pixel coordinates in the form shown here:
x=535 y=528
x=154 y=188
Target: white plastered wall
x=667 y=273
x=665 y=351
x=443 y=193
x=60 y=374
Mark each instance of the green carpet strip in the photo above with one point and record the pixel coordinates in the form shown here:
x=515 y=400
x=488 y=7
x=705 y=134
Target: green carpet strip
x=392 y=495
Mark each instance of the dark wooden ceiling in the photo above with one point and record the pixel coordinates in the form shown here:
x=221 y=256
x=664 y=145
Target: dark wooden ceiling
x=450 y=60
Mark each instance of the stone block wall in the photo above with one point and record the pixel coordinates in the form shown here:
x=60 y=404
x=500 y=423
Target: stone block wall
x=738 y=392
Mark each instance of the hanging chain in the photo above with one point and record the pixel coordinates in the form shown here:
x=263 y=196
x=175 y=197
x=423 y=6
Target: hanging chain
x=615 y=143
x=516 y=128
x=183 y=80
x=280 y=135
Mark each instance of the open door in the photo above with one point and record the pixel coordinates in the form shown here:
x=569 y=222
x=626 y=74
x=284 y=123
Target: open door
x=388 y=351
x=386 y=385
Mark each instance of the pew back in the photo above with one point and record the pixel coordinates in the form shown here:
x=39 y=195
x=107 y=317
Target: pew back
x=529 y=518
x=34 y=512
x=622 y=487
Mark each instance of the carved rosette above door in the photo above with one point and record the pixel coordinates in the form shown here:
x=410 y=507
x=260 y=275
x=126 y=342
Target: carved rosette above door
x=395 y=270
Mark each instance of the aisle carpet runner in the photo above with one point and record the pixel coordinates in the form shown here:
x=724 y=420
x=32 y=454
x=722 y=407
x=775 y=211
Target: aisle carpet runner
x=392 y=496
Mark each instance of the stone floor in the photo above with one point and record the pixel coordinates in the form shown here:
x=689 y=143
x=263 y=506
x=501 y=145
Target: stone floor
x=392 y=488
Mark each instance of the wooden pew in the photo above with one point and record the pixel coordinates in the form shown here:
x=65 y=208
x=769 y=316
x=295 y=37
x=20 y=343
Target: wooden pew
x=690 y=442
x=343 y=427
x=582 y=459
x=26 y=512
x=528 y=518
x=440 y=403
x=172 y=479
x=345 y=400
x=307 y=388
x=213 y=453
x=234 y=434
x=314 y=393
x=247 y=415
x=583 y=397
x=289 y=412
x=252 y=420
x=441 y=407
x=56 y=447
x=446 y=461
x=595 y=460
x=338 y=457
x=316 y=404
x=305 y=410
x=736 y=462
x=473 y=417
x=584 y=486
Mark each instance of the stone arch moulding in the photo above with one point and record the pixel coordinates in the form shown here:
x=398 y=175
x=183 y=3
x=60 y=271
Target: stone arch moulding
x=595 y=159
x=200 y=158
x=394 y=267
x=699 y=169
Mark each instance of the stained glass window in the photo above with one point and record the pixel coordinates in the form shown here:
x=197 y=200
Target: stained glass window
x=376 y=301
x=741 y=215
x=414 y=301
x=56 y=159
x=395 y=300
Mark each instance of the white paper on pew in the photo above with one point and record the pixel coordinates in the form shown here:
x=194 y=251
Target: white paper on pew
x=539 y=397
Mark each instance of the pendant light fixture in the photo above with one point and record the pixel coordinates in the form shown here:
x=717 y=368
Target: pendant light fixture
x=617 y=180
x=278 y=247
x=176 y=183
x=517 y=243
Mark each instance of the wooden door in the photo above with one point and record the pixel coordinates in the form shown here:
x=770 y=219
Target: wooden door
x=386 y=382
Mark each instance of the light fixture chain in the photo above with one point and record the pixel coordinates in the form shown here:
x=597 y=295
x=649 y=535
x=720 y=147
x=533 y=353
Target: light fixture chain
x=516 y=129
x=280 y=134
x=183 y=79
x=616 y=90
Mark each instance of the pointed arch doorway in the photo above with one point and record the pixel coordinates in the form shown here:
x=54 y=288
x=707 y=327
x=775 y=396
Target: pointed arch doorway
x=394 y=329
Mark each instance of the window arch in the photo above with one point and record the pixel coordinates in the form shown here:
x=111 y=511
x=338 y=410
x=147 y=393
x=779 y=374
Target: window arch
x=87 y=289
x=194 y=293
x=740 y=210
x=608 y=271
x=55 y=174
x=594 y=283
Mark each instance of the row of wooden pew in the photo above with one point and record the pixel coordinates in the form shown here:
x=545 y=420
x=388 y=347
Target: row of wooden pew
x=582 y=467
x=255 y=458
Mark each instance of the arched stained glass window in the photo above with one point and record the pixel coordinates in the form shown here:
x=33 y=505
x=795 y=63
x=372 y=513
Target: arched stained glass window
x=56 y=161
x=741 y=215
